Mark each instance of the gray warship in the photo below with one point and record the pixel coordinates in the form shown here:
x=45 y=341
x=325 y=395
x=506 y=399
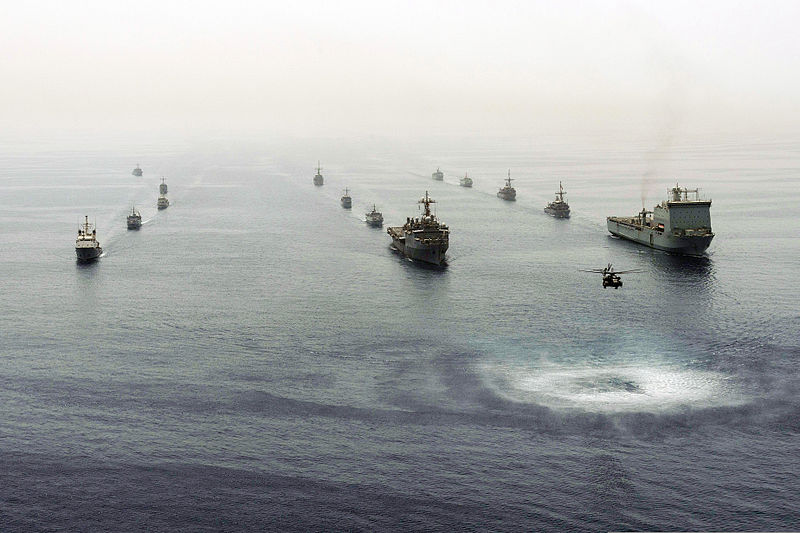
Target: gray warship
x=318 y=181
x=507 y=192
x=134 y=219
x=137 y=171
x=347 y=202
x=558 y=208
x=438 y=175
x=681 y=224
x=374 y=218
x=87 y=248
x=466 y=181
x=422 y=239
x=163 y=201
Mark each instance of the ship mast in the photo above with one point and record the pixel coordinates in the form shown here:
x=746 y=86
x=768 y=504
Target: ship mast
x=427 y=201
x=508 y=181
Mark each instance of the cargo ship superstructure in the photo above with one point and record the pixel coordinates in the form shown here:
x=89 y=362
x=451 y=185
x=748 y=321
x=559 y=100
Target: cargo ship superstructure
x=318 y=180
x=422 y=239
x=558 y=208
x=681 y=224
x=134 y=219
x=438 y=175
x=507 y=192
x=87 y=248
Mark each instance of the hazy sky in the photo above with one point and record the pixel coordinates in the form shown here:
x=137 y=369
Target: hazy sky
x=383 y=67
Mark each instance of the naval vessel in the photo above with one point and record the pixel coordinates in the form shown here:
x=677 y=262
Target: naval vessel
x=558 y=208
x=466 y=181
x=507 y=192
x=163 y=201
x=347 y=202
x=137 y=171
x=681 y=224
x=134 y=219
x=318 y=177
x=423 y=239
x=438 y=175
x=374 y=217
x=86 y=246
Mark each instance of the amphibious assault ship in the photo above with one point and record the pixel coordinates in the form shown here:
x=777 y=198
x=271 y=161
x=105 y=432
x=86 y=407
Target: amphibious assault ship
x=507 y=192
x=347 y=202
x=134 y=219
x=318 y=181
x=558 y=208
x=374 y=218
x=137 y=171
x=681 y=224
x=466 y=181
x=438 y=175
x=163 y=201
x=423 y=239
x=86 y=246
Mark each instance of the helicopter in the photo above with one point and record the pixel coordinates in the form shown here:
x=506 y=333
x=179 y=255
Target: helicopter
x=611 y=278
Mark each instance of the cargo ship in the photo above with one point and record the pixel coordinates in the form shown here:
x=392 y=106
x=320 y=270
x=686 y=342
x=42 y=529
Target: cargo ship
x=681 y=224
x=423 y=239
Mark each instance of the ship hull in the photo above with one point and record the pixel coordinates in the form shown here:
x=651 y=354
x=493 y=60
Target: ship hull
x=318 y=181
x=347 y=204
x=431 y=254
x=557 y=213
x=84 y=255
x=466 y=184
x=685 y=245
x=134 y=225
x=507 y=197
x=374 y=223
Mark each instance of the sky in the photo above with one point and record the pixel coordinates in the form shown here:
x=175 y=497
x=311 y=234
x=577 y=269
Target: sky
x=406 y=68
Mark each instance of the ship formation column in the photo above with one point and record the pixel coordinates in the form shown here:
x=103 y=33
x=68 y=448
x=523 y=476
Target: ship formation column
x=163 y=202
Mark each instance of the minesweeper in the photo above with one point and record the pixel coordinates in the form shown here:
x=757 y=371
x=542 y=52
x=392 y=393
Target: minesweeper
x=86 y=246
x=507 y=192
x=346 y=200
x=681 y=224
x=134 y=219
x=558 y=208
x=137 y=171
x=466 y=181
x=318 y=181
x=374 y=218
x=422 y=239
x=438 y=175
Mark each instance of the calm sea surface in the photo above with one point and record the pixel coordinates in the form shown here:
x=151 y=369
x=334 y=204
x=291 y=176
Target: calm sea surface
x=256 y=357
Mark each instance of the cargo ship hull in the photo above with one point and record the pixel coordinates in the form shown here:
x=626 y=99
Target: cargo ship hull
x=687 y=244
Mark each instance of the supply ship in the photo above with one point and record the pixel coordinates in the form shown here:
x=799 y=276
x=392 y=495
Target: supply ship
x=134 y=219
x=507 y=192
x=86 y=246
x=422 y=239
x=318 y=181
x=681 y=224
x=558 y=208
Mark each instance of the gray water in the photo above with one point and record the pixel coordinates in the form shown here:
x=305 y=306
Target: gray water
x=256 y=357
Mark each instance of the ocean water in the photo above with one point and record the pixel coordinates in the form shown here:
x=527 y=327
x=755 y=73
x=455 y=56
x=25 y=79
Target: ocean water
x=256 y=357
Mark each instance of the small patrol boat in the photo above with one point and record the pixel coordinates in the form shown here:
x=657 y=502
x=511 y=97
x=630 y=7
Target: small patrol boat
x=347 y=202
x=134 y=219
x=507 y=192
x=466 y=181
x=87 y=248
x=374 y=218
x=318 y=180
x=558 y=208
